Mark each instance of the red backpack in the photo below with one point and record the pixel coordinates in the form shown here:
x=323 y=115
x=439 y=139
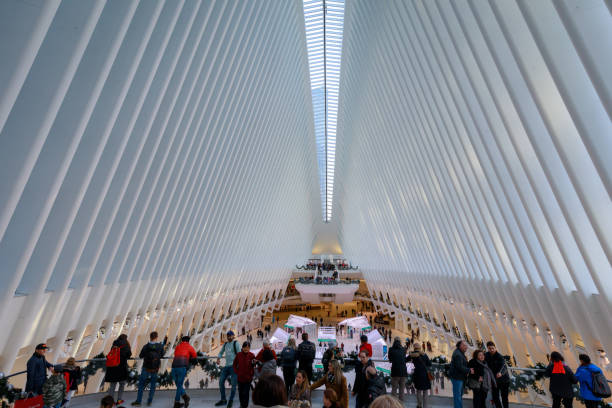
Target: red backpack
x=114 y=356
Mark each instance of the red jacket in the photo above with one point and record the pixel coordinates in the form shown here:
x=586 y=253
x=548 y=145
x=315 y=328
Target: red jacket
x=260 y=354
x=182 y=354
x=243 y=366
x=368 y=347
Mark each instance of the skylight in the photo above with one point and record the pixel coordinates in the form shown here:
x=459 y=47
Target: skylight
x=324 y=43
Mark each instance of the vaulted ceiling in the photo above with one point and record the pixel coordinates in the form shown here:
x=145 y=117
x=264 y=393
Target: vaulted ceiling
x=158 y=164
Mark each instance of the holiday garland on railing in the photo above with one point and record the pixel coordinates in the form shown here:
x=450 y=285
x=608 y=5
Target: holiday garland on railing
x=440 y=366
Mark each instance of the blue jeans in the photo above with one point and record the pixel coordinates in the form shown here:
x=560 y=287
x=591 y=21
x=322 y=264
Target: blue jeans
x=228 y=371
x=145 y=377
x=457 y=393
x=179 y=374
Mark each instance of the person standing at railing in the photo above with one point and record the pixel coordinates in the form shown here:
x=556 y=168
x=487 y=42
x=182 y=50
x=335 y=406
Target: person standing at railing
x=421 y=378
x=561 y=380
x=497 y=364
x=184 y=353
x=37 y=370
x=584 y=374
x=117 y=371
x=399 y=373
x=54 y=389
x=481 y=379
x=365 y=345
x=306 y=354
x=151 y=353
x=230 y=349
x=288 y=361
x=458 y=372
x=72 y=375
x=244 y=368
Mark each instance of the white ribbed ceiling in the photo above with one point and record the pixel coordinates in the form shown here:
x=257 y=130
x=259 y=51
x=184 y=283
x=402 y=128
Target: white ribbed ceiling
x=474 y=158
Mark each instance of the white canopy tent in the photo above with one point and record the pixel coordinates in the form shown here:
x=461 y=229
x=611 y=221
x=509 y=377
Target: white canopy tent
x=279 y=339
x=327 y=334
x=298 y=321
x=359 y=323
x=379 y=345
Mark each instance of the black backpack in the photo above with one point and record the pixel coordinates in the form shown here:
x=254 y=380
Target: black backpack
x=600 y=389
x=307 y=351
x=152 y=357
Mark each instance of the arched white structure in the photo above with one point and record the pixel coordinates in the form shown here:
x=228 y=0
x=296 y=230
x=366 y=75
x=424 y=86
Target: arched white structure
x=158 y=168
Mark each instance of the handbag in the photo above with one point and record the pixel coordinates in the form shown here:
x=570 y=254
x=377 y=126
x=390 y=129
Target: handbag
x=473 y=383
x=32 y=402
x=430 y=376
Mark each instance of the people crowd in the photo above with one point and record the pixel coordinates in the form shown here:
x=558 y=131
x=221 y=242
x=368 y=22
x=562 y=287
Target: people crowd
x=484 y=373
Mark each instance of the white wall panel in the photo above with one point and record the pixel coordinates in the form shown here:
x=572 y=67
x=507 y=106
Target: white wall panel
x=158 y=162
x=470 y=168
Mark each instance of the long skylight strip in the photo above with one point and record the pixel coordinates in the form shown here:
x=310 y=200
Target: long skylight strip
x=324 y=44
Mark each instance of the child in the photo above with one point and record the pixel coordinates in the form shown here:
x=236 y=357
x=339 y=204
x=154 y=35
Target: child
x=54 y=389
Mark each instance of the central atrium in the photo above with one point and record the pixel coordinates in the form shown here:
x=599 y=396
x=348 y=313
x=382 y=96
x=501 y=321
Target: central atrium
x=432 y=175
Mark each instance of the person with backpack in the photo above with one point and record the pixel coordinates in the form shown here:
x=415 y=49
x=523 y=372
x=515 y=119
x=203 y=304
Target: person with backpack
x=230 y=349
x=288 y=360
x=184 y=353
x=72 y=376
x=593 y=384
x=306 y=353
x=151 y=353
x=561 y=380
x=117 y=371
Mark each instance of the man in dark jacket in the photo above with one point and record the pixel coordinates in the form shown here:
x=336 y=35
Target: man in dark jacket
x=37 y=370
x=497 y=364
x=376 y=384
x=458 y=372
x=151 y=353
x=360 y=386
x=399 y=373
x=306 y=353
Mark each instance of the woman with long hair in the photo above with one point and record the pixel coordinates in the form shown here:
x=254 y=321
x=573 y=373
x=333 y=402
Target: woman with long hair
x=561 y=380
x=299 y=396
x=334 y=379
x=330 y=399
x=481 y=380
x=288 y=361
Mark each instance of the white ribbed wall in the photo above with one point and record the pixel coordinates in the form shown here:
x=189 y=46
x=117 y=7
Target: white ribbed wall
x=474 y=172
x=158 y=163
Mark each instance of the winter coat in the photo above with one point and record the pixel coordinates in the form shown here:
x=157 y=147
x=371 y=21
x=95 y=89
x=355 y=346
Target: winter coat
x=397 y=357
x=376 y=387
x=421 y=366
x=151 y=353
x=368 y=347
x=54 y=390
x=37 y=373
x=72 y=376
x=288 y=357
x=497 y=364
x=584 y=374
x=260 y=354
x=360 y=386
x=459 y=366
x=243 y=366
x=268 y=367
x=120 y=372
x=183 y=353
x=306 y=352
x=340 y=388
x=561 y=379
